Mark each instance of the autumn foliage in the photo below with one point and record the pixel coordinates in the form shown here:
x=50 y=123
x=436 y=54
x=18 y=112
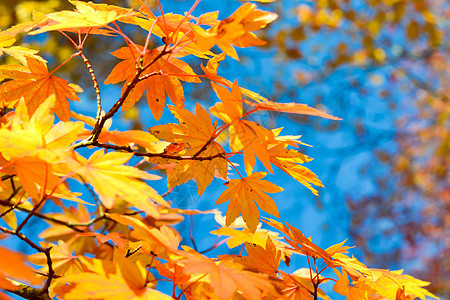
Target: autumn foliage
x=120 y=235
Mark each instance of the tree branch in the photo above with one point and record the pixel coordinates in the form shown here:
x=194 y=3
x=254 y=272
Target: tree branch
x=46 y=251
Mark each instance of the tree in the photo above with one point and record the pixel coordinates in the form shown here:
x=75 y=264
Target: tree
x=127 y=243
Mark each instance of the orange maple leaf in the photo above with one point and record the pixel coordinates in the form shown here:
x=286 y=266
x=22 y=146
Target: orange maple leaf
x=35 y=84
x=34 y=148
x=260 y=259
x=227 y=277
x=244 y=194
x=120 y=279
x=246 y=136
x=197 y=134
x=162 y=241
x=301 y=244
x=176 y=29
x=162 y=76
x=12 y=265
x=235 y=30
x=293 y=108
x=290 y=161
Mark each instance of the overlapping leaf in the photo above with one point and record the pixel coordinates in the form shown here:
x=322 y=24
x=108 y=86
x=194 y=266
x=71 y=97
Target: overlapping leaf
x=12 y=265
x=226 y=277
x=35 y=148
x=85 y=15
x=198 y=134
x=176 y=29
x=121 y=279
x=262 y=259
x=246 y=136
x=35 y=84
x=111 y=179
x=162 y=77
x=236 y=30
x=7 y=39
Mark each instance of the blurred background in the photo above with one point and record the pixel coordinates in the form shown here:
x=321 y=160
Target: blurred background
x=382 y=66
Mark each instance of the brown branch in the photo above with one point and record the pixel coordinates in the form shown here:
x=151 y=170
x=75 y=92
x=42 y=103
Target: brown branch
x=71 y=225
x=93 y=138
x=32 y=212
x=46 y=251
x=160 y=155
x=95 y=82
x=28 y=292
x=204 y=147
x=191 y=233
x=6 y=177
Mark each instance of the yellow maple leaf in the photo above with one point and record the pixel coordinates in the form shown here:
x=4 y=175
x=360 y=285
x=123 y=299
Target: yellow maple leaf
x=34 y=148
x=111 y=179
x=7 y=38
x=120 y=279
x=290 y=161
x=86 y=15
x=63 y=261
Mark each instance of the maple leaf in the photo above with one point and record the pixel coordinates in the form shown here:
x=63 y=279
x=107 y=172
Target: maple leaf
x=386 y=283
x=63 y=261
x=298 y=285
x=60 y=232
x=244 y=194
x=227 y=277
x=33 y=147
x=301 y=244
x=198 y=134
x=35 y=84
x=156 y=81
x=176 y=29
x=355 y=292
x=7 y=38
x=261 y=103
x=262 y=259
x=120 y=279
x=86 y=15
x=293 y=108
x=246 y=136
x=162 y=241
x=235 y=30
x=239 y=237
x=173 y=271
x=290 y=161
x=12 y=265
x=9 y=195
x=111 y=179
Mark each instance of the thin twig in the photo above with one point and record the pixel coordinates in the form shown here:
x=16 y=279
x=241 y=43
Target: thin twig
x=46 y=251
x=95 y=82
x=191 y=233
